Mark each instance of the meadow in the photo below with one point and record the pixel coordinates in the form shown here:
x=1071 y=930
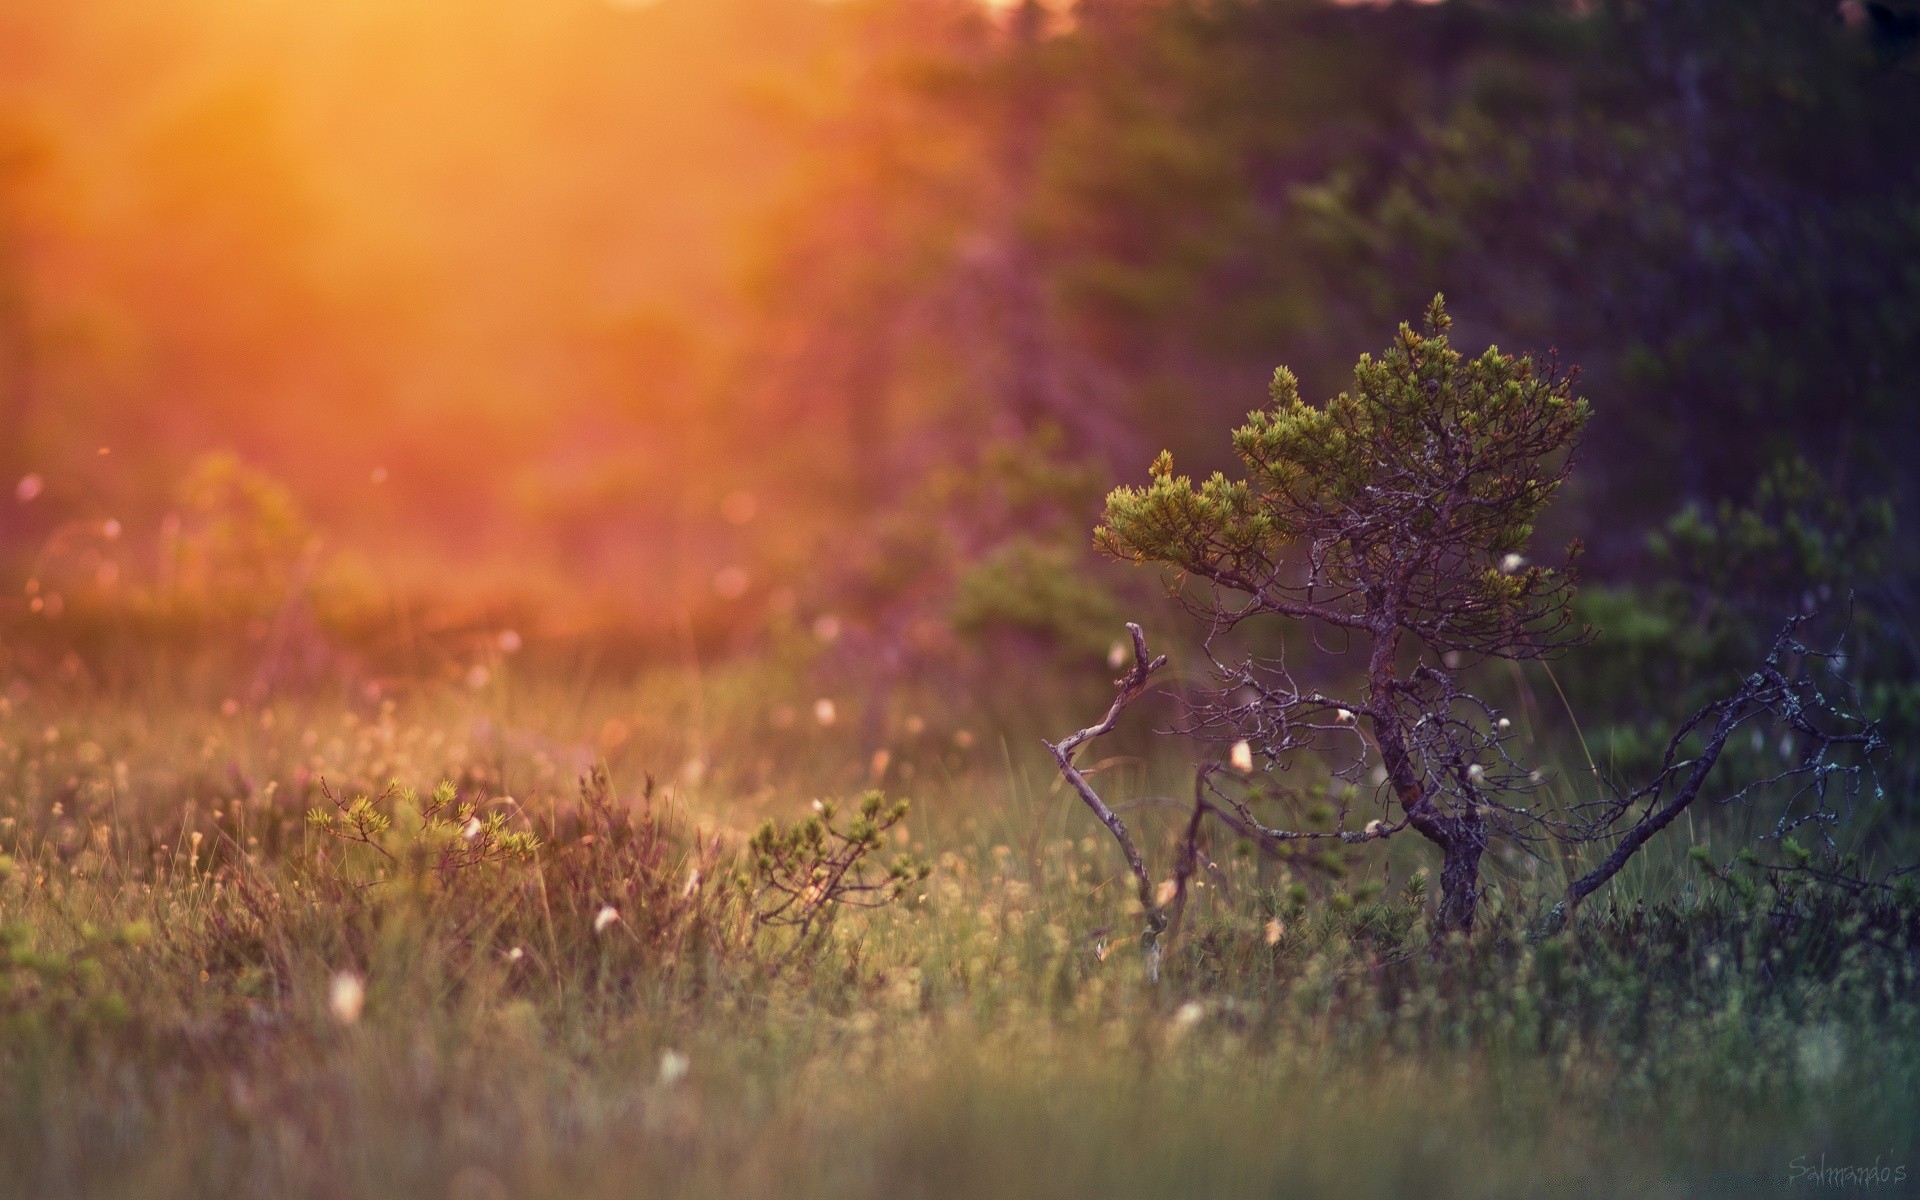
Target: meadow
x=205 y=993
x=561 y=562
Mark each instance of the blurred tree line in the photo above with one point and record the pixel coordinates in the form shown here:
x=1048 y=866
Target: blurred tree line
x=1118 y=222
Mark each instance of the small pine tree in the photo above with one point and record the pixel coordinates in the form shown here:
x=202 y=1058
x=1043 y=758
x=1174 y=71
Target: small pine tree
x=1392 y=525
x=1396 y=516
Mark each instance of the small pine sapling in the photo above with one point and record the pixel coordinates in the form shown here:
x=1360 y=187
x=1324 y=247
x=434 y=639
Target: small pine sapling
x=1391 y=527
x=439 y=834
x=798 y=874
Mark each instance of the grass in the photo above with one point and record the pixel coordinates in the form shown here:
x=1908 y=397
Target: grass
x=174 y=927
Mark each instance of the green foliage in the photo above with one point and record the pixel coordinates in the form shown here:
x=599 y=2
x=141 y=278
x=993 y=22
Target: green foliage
x=47 y=993
x=1797 y=539
x=1416 y=488
x=440 y=835
x=1425 y=478
x=799 y=875
x=1039 y=589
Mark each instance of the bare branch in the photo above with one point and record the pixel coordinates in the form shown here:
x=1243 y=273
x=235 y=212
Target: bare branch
x=1127 y=689
x=1768 y=691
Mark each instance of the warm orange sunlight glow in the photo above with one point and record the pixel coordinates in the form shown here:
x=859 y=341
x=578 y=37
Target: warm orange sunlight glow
x=467 y=277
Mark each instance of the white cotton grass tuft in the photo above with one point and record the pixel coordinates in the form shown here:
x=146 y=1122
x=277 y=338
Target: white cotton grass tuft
x=673 y=1067
x=1504 y=724
x=1188 y=1015
x=1477 y=773
x=472 y=829
x=346 y=996
x=1512 y=563
x=1343 y=716
x=607 y=915
x=1241 y=757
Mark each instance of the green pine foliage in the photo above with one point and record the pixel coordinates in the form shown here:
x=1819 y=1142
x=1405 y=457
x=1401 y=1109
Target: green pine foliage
x=801 y=874
x=1427 y=475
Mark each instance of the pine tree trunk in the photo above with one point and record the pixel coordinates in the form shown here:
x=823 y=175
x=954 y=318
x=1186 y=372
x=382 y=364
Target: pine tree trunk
x=1460 y=874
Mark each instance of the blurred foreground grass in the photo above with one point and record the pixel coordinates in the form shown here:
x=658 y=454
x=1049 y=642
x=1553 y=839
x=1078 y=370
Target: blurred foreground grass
x=172 y=1020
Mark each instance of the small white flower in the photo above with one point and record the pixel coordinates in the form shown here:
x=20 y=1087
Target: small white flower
x=824 y=711
x=346 y=996
x=1241 y=757
x=607 y=915
x=819 y=806
x=1512 y=563
x=1188 y=1015
x=673 y=1067
x=516 y=954
x=1504 y=724
x=1477 y=773
x=1275 y=928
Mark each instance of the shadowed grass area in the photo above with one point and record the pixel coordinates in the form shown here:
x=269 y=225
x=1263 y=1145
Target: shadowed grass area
x=176 y=931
